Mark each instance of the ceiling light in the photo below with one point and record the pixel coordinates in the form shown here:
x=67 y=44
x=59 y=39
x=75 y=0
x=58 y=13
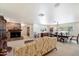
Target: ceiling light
x=22 y=24
x=41 y=14
x=57 y=4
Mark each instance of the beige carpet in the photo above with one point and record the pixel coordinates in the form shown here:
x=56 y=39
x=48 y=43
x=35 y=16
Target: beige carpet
x=63 y=49
x=66 y=49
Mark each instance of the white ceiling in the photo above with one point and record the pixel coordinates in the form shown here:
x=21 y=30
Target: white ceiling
x=29 y=12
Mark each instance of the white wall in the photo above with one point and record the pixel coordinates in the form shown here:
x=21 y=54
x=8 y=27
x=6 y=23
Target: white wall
x=37 y=28
x=74 y=30
x=24 y=30
x=75 y=27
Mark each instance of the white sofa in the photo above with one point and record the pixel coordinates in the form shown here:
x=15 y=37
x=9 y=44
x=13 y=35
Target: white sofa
x=38 y=47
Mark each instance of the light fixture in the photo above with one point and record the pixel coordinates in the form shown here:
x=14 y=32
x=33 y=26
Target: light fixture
x=57 y=4
x=41 y=14
x=22 y=24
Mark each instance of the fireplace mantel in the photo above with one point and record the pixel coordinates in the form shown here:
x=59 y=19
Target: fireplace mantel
x=12 y=30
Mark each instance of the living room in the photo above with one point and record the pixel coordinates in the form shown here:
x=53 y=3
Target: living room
x=39 y=29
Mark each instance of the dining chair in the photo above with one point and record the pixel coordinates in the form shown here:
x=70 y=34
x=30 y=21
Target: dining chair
x=75 y=38
x=61 y=37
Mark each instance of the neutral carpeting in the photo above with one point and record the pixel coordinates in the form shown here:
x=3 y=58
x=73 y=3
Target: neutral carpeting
x=63 y=49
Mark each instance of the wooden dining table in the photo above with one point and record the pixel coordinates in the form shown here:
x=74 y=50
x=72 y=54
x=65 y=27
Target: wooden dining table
x=61 y=37
x=65 y=37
